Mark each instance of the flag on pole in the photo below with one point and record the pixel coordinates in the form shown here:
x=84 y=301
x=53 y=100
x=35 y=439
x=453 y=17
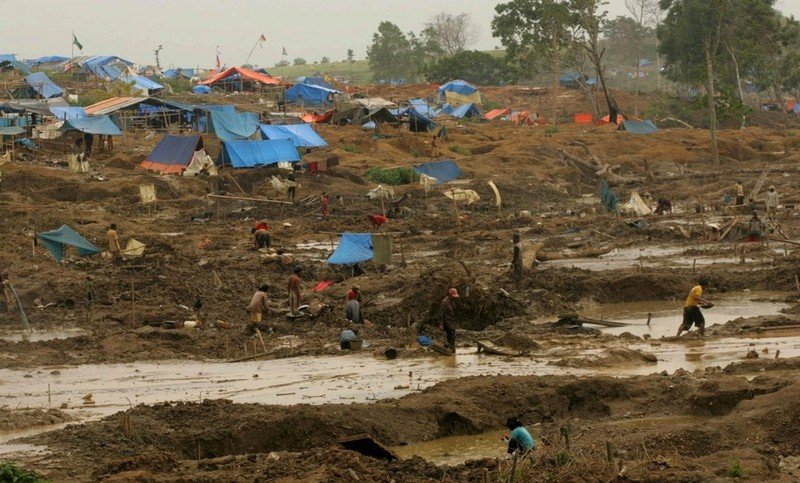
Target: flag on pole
x=262 y=38
x=284 y=51
x=75 y=42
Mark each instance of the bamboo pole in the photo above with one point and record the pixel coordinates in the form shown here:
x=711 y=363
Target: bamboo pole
x=242 y=198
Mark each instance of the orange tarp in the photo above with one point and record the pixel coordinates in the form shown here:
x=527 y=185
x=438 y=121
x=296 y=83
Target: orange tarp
x=495 y=113
x=583 y=118
x=245 y=74
x=313 y=117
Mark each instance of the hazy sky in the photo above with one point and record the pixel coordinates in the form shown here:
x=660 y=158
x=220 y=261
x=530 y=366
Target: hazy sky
x=190 y=30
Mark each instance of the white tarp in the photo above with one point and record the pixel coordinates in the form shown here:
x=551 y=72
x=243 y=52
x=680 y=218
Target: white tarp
x=459 y=194
x=381 y=192
x=200 y=161
x=134 y=248
x=636 y=205
x=427 y=182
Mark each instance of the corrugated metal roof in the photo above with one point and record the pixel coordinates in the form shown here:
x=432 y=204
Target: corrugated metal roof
x=112 y=105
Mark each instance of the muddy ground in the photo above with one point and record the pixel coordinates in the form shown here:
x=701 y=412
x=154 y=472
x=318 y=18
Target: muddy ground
x=199 y=247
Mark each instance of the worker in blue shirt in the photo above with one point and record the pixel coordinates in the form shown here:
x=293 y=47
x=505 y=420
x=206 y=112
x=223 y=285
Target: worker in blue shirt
x=519 y=439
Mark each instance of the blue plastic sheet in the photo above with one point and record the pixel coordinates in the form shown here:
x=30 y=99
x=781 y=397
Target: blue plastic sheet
x=466 y=110
x=68 y=112
x=56 y=240
x=353 y=248
x=309 y=94
x=638 y=127
x=302 y=135
x=42 y=84
x=443 y=171
x=459 y=87
x=233 y=126
x=251 y=154
x=93 y=125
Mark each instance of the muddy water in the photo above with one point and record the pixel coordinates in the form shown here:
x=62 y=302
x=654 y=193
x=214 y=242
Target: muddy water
x=455 y=450
x=36 y=335
x=668 y=315
x=654 y=256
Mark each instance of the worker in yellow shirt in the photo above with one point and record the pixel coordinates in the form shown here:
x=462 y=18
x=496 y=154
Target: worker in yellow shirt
x=691 y=309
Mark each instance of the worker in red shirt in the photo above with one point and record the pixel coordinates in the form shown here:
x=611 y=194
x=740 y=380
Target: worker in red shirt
x=325 y=203
x=377 y=220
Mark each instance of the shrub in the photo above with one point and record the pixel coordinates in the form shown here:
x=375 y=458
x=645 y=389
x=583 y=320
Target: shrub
x=392 y=177
x=734 y=469
x=13 y=473
x=461 y=150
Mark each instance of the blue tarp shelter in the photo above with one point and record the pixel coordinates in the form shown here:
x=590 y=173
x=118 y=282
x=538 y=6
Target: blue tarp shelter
x=302 y=135
x=48 y=59
x=55 y=241
x=353 y=248
x=638 y=127
x=230 y=125
x=201 y=89
x=423 y=108
x=93 y=125
x=8 y=57
x=105 y=66
x=43 y=86
x=309 y=94
x=459 y=87
x=443 y=171
x=466 y=110
x=418 y=122
x=178 y=72
x=173 y=154
x=315 y=81
x=251 y=154
x=143 y=84
x=68 y=112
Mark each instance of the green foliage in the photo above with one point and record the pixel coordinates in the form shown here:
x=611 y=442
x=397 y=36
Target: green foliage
x=283 y=63
x=14 y=474
x=562 y=458
x=551 y=130
x=179 y=85
x=299 y=61
x=461 y=150
x=395 y=55
x=734 y=469
x=472 y=66
x=350 y=55
x=392 y=177
x=351 y=148
x=325 y=60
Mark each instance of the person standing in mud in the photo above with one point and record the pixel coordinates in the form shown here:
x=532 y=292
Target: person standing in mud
x=294 y=290
x=516 y=262
x=449 y=318
x=325 y=204
x=5 y=280
x=691 y=309
x=113 y=244
x=292 y=191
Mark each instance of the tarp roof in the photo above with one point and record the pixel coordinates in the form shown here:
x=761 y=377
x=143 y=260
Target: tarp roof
x=638 y=127
x=113 y=105
x=43 y=85
x=11 y=130
x=93 y=125
x=418 y=121
x=466 y=110
x=495 y=113
x=55 y=241
x=39 y=106
x=142 y=83
x=314 y=81
x=309 y=94
x=172 y=154
x=242 y=73
x=67 y=112
x=201 y=90
x=459 y=87
x=48 y=59
x=443 y=171
x=373 y=102
x=233 y=126
x=250 y=154
x=353 y=248
x=302 y=135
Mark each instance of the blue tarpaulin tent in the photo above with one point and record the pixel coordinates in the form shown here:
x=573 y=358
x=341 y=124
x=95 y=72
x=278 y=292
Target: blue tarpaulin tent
x=309 y=94
x=233 y=126
x=315 y=81
x=8 y=57
x=201 y=89
x=418 y=122
x=143 y=84
x=423 y=108
x=466 y=110
x=302 y=135
x=173 y=154
x=43 y=86
x=443 y=171
x=93 y=125
x=353 y=248
x=67 y=112
x=56 y=240
x=638 y=127
x=459 y=87
x=250 y=154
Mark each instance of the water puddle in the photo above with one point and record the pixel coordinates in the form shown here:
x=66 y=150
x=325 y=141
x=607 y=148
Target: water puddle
x=455 y=450
x=667 y=315
x=36 y=335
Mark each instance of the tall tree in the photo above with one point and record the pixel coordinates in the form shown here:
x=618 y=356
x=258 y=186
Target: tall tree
x=390 y=54
x=690 y=24
x=645 y=14
x=473 y=66
x=453 y=33
x=532 y=28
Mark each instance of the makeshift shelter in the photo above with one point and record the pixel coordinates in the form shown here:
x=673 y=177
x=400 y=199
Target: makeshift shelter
x=57 y=240
x=143 y=84
x=239 y=79
x=441 y=171
x=583 y=118
x=607 y=120
x=468 y=110
x=201 y=89
x=572 y=79
x=418 y=122
x=353 y=248
x=92 y=125
x=311 y=95
x=460 y=194
x=251 y=154
x=638 y=127
x=636 y=205
x=39 y=85
x=233 y=126
x=459 y=92
x=314 y=81
x=373 y=103
x=134 y=248
x=302 y=135
x=497 y=113
x=64 y=113
x=179 y=154
x=423 y=108
x=313 y=117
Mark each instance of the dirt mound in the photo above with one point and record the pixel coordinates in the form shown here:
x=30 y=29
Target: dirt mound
x=616 y=356
x=16 y=419
x=517 y=342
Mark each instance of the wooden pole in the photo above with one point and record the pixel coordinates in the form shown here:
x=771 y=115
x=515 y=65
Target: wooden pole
x=458 y=217
x=261 y=339
x=242 y=198
x=402 y=253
